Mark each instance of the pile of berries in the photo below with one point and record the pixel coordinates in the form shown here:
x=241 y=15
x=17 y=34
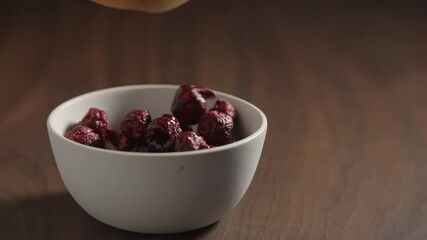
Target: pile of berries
x=167 y=133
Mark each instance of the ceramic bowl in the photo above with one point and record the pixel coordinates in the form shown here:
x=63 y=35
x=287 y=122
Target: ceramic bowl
x=154 y=192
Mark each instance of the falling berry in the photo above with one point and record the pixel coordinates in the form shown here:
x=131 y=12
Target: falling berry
x=189 y=103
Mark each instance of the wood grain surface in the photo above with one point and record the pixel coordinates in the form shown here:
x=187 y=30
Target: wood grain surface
x=343 y=86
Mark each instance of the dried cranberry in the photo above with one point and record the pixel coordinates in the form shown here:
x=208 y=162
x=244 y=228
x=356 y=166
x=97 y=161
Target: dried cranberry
x=189 y=103
x=135 y=123
x=189 y=141
x=161 y=133
x=96 y=119
x=222 y=105
x=216 y=127
x=114 y=141
x=84 y=135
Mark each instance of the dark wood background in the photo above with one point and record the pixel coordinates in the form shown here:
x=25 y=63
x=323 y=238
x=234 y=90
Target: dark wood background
x=343 y=86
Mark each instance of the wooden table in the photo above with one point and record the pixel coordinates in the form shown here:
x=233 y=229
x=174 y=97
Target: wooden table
x=343 y=86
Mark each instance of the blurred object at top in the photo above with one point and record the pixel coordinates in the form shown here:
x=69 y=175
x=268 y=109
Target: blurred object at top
x=153 y=6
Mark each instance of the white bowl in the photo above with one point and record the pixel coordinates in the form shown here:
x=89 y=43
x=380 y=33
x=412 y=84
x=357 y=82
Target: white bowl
x=154 y=192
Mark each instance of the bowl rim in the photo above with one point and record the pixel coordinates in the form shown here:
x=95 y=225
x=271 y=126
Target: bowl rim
x=260 y=130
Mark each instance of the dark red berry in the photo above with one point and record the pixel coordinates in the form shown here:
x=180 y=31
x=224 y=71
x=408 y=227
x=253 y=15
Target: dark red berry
x=222 y=105
x=96 y=119
x=216 y=128
x=135 y=122
x=189 y=103
x=114 y=141
x=161 y=133
x=84 y=135
x=189 y=141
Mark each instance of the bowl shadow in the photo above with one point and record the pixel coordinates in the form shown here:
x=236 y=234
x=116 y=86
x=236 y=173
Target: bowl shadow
x=58 y=216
